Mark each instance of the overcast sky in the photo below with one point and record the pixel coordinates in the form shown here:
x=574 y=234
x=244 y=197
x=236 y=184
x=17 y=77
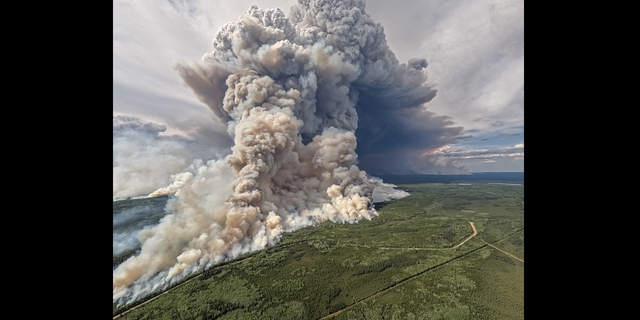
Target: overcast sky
x=474 y=50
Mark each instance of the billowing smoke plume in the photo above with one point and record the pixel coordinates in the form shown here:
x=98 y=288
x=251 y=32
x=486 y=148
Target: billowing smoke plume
x=295 y=93
x=144 y=161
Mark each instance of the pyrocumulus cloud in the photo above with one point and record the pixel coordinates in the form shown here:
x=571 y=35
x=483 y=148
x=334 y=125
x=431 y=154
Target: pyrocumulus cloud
x=303 y=97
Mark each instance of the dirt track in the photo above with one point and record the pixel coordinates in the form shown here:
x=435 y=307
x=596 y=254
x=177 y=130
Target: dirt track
x=507 y=253
x=475 y=232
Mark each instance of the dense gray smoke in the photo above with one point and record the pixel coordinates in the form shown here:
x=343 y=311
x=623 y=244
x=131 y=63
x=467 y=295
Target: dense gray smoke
x=303 y=96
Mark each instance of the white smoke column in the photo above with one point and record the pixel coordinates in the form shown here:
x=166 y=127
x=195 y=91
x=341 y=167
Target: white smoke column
x=386 y=191
x=289 y=93
x=179 y=180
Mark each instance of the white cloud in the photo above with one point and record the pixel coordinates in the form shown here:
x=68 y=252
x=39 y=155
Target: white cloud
x=475 y=51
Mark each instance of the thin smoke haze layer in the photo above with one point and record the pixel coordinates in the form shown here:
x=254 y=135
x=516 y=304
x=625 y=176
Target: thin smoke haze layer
x=144 y=161
x=289 y=89
x=128 y=222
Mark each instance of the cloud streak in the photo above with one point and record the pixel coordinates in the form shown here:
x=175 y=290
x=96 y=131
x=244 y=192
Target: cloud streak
x=516 y=152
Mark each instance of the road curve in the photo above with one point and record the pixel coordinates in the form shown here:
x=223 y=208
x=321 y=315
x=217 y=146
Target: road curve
x=475 y=232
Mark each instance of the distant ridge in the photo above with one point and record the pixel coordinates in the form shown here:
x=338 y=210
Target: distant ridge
x=503 y=177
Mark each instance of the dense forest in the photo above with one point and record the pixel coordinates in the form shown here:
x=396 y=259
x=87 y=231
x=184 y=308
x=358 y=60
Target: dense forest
x=399 y=265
